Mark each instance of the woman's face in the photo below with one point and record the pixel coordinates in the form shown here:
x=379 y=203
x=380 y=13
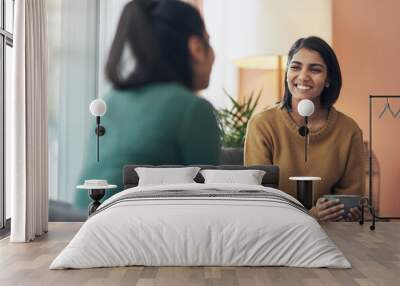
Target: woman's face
x=209 y=58
x=202 y=62
x=307 y=75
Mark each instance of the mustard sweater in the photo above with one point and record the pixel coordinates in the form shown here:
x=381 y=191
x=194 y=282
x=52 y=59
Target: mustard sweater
x=335 y=152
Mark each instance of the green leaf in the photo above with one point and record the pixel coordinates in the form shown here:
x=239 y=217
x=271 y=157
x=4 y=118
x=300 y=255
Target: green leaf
x=233 y=121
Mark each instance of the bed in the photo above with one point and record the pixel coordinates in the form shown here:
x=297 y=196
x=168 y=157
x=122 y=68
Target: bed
x=201 y=224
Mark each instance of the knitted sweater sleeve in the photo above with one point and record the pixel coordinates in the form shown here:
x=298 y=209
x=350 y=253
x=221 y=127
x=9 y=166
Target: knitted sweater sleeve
x=257 y=147
x=353 y=180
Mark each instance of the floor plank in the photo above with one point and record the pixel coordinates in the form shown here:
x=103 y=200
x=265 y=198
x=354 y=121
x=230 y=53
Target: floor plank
x=375 y=257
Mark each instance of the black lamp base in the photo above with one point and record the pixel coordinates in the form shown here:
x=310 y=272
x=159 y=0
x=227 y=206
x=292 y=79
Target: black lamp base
x=305 y=193
x=96 y=195
x=100 y=130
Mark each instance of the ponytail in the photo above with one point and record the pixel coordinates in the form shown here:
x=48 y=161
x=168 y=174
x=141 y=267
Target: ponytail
x=157 y=34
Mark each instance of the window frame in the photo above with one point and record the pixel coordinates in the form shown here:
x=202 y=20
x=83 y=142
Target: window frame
x=6 y=39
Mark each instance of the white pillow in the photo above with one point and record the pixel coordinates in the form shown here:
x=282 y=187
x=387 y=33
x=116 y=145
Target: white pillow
x=164 y=176
x=248 y=177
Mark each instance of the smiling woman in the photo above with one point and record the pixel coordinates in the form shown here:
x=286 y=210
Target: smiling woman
x=335 y=147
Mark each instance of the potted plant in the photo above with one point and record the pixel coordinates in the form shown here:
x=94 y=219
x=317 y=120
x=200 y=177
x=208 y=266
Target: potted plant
x=233 y=124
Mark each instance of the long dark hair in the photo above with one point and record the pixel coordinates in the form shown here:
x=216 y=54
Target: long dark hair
x=331 y=93
x=157 y=34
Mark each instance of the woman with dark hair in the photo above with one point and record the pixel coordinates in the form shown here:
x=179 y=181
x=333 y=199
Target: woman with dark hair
x=335 y=140
x=153 y=115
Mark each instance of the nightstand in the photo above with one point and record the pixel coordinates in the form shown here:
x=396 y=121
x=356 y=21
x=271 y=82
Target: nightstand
x=305 y=190
x=96 y=190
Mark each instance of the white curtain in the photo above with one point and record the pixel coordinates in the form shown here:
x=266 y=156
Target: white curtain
x=109 y=13
x=27 y=124
x=72 y=42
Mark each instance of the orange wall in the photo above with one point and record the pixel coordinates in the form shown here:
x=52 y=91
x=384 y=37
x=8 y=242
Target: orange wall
x=366 y=38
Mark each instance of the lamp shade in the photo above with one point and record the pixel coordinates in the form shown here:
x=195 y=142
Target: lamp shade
x=98 y=107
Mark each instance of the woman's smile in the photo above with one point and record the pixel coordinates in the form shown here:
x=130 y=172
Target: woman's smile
x=303 y=87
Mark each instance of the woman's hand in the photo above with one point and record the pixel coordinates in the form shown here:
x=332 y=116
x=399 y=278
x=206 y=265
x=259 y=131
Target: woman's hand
x=327 y=210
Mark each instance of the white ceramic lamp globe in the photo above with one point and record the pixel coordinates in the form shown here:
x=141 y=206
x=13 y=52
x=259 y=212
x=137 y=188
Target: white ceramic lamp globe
x=98 y=107
x=305 y=107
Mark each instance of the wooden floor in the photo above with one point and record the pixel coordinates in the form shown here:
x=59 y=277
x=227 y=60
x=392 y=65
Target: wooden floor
x=375 y=257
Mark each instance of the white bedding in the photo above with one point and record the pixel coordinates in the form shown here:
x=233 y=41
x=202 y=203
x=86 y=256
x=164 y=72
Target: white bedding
x=185 y=231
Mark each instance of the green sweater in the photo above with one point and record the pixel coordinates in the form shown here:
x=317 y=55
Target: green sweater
x=157 y=124
x=335 y=151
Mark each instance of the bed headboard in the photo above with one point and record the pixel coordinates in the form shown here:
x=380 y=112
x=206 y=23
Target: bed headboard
x=270 y=179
